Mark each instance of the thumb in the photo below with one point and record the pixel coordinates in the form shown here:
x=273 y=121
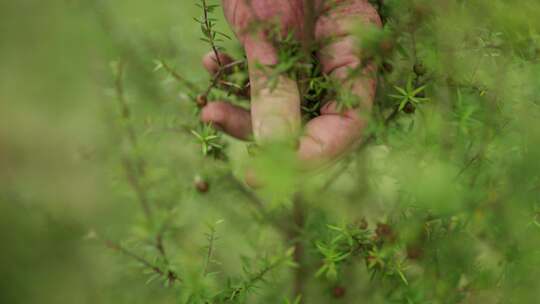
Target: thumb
x=275 y=99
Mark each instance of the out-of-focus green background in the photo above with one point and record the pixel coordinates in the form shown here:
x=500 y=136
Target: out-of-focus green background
x=56 y=121
x=467 y=160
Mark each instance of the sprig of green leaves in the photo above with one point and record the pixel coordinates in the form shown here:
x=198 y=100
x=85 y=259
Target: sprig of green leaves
x=409 y=94
x=209 y=139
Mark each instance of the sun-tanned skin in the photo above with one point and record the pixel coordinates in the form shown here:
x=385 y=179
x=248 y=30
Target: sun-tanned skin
x=276 y=113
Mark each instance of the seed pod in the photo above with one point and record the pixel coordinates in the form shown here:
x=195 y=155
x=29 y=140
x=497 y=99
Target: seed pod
x=387 y=67
x=362 y=224
x=338 y=292
x=419 y=69
x=201 y=185
x=385 y=232
x=201 y=101
x=409 y=108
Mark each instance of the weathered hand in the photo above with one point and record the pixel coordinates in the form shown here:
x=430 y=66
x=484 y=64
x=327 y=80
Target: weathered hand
x=276 y=113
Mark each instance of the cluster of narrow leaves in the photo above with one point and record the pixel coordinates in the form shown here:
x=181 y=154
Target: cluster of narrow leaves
x=208 y=24
x=450 y=200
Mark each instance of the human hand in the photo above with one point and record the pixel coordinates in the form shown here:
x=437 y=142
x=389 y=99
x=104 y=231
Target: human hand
x=275 y=113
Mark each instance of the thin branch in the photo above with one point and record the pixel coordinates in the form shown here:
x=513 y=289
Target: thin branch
x=124 y=108
x=413 y=42
x=392 y=116
x=210 y=32
x=294 y=236
x=468 y=165
x=159 y=241
x=259 y=276
x=216 y=78
x=133 y=174
x=190 y=85
x=169 y=274
x=137 y=186
x=210 y=252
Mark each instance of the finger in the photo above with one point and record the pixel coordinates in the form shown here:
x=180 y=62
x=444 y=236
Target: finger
x=329 y=136
x=211 y=64
x=333 y=133
x=275 y=109
x=233 y=120
x=341 y=52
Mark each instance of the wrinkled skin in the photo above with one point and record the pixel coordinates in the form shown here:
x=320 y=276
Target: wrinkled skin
x=276 y=113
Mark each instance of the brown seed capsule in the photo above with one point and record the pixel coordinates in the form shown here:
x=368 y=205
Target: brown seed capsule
x=201 y=185
x=419 y=69
x=387 y=67
x=383 y=229
x=385 y=232
x=339 y=292
x=409 y=108
x=201 y=101
x=362 y=224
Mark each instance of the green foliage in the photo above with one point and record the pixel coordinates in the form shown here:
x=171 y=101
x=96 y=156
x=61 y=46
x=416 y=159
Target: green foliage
x=208 y=24
x=209 y=140
x=441 y=204
x=409 y=95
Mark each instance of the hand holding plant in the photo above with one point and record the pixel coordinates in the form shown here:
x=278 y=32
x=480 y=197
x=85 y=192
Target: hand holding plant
x=276 y=107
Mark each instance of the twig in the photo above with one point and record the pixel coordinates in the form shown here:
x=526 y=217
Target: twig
x=259 y=276
x=159 y=242
x=468 y=165
x=298 y=217
x=190 y=85
x=413 y=41
x=135 y=183
x=124 y=108
x=219 y=73
x=210 y=252
x=133 y=174
x=209 y=32
x=392 y=116
x=169 y=274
